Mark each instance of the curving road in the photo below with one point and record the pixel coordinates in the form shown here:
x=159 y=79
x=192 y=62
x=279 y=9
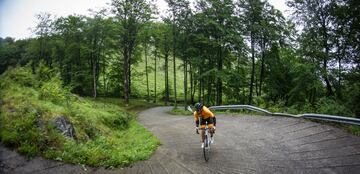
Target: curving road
x=243 y=144
x=249 y=144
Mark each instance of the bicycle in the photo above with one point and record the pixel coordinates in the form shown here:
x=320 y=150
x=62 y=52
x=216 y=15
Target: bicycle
x=207 y=140
x=207 y=144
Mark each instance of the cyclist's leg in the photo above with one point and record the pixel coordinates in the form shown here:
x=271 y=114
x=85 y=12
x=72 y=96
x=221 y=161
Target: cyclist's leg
x=211 y=127
x=202 y=132
x=202 y=129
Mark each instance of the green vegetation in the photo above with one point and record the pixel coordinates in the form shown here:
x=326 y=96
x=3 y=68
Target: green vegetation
x=226 y=52
x=180 y=111
x=355 y=130
x=134 y=106
x=352 y=129
x=221 y=52
x=139 y=81
x=105 y=134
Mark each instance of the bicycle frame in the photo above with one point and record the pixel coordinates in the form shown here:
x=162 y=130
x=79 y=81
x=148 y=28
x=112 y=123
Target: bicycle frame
x=207 y=142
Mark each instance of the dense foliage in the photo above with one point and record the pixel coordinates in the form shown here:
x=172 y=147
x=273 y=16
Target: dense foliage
x=231 y=51
x=105 y=134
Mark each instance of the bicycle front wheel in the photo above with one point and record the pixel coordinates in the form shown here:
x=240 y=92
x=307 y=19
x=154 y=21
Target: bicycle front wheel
x=206 y=148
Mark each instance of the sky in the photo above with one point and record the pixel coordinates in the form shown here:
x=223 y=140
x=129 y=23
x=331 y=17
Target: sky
x=17 y=17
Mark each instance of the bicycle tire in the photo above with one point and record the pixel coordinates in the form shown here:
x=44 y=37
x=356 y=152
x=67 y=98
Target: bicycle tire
x=206 y=148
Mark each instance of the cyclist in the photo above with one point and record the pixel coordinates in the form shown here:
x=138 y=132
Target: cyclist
x=203 y=115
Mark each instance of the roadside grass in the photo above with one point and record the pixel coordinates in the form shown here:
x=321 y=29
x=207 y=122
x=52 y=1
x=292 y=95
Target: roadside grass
x=134 y=106
x=119 y=148
x=355 y=130
x=352 y=129
x=180 y=111
x=241 y=112
x=106 y=133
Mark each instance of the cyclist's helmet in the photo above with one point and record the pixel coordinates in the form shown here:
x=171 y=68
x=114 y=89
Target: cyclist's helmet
x=198 y=106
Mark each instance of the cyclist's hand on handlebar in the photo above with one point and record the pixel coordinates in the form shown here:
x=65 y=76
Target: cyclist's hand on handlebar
x=213 y=129
x=197 y=130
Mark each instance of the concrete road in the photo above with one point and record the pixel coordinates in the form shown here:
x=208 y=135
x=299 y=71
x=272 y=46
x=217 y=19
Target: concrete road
x=243 y=144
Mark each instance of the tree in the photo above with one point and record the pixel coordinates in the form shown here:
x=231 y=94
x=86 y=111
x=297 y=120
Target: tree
x=43 y=30
x=132 y=15
x=217 y=24
x=251 y=14
x=163 y=37
x=71 y=65
x=183 y=25
x=95 y=37
x=317 y=22
x=11 y=52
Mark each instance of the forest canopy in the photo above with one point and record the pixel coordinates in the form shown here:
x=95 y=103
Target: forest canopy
x=223 y=52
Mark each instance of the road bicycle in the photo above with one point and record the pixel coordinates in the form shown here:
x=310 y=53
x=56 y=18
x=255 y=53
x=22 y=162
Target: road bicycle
x=207 y=144
x=207 y=140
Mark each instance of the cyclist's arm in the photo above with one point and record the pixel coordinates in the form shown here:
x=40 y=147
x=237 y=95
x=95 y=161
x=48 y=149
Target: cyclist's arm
x=212 y=116
x=196 y=117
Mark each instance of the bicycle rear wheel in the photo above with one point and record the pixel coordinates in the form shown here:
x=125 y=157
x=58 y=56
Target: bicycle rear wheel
x=206 y=148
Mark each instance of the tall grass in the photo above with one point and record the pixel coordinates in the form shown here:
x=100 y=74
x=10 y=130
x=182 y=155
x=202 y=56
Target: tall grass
x=105 y=133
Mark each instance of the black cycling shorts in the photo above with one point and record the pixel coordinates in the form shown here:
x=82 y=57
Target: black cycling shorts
x=209 y=121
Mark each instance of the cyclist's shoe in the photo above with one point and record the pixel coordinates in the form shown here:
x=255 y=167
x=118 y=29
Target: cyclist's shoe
x=202 y=145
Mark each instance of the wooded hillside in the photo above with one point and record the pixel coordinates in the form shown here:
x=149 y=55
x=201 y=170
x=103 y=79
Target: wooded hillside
x=227 y=52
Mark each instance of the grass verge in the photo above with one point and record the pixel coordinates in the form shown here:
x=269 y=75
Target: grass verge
x=352 y=129
x=106 y=134
x=180 y=111
x=134 y=106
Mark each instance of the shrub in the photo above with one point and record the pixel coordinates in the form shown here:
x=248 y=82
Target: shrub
x=117 y=121
x=330 y=106
x=52 y=90
x=353 y=96
x=20 y=76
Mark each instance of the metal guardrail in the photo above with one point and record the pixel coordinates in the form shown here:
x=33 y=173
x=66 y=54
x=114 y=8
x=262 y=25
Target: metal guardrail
x=235 y=107
x=333 y=118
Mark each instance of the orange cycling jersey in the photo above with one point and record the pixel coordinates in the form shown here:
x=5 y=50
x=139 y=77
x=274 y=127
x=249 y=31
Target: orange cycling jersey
x=204 y=114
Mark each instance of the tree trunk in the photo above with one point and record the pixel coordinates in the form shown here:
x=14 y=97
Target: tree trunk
x=129 y=73
x=166 y=78
x=327 y=81
x=185 y=82
x=339 y=77
x=155 y=75
x=252 y=67
x=238 y=93
x=200 y=86
x=174 y=54
x=126 y=55
x=209 y=86
x=94 y=65
x=202 y=90
x=218 y=80
x=262 y=65
x=147 y=75
x=327 y=49
x=94 y=79
x=104 y=77
x=191 y=85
